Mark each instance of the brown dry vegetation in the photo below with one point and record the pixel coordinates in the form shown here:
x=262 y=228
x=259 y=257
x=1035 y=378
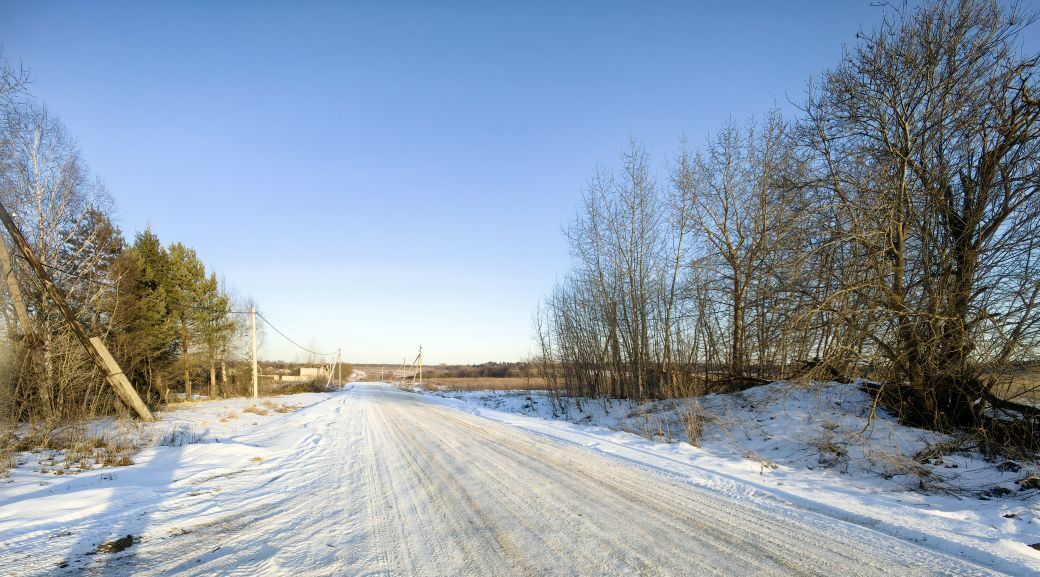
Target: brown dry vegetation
x=267 y=407
x=1022 y=386
x=485 y=384
x=281 y=407
x=500 y=376
x=69 y=450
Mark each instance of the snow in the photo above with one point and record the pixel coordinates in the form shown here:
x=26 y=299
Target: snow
x=766 y=443
x=357 y=376
x=373 y=480
x=41 y=501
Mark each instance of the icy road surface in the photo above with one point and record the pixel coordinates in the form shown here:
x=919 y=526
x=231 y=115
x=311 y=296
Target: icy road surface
x=376 y=481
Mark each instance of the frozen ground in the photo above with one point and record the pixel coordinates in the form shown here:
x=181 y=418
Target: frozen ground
x=377 y=481
x=813 y=447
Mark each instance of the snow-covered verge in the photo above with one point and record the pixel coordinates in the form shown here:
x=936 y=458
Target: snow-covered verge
x=107 y=442
x=188 y=442
x=814 y=447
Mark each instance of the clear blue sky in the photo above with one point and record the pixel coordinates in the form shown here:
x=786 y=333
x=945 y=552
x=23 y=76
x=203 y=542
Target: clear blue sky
x=387 y=174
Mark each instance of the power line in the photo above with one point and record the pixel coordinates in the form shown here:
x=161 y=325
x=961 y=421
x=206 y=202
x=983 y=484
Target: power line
x=286 y=337
x=73 y=274
x=115 y=287
x=302 y=327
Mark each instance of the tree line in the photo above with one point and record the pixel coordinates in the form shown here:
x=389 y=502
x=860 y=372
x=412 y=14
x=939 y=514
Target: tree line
x=488 y=370
x=888 y=230
x=170 y=323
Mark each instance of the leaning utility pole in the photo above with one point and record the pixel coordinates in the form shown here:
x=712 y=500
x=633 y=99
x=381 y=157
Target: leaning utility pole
x=94 y=346
x=252 y=328
x=420 y=365
x=20 y=310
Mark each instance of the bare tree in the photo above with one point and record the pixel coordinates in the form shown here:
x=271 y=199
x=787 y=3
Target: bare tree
x=930 y=135
x=743 y=209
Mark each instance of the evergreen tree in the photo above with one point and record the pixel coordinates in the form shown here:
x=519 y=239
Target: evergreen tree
x=186 y=293
x=90 y=248
x=216 y=327
x=148 y=337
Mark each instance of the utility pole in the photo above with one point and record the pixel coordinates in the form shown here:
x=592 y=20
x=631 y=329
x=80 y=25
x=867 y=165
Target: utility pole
x=334 y=370
x=94 y=346
x=339 y=366
x=420 y=365
x=252 y=328
x=16 y=294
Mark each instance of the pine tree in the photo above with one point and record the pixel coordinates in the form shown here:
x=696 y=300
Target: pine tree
x=186 y=292
x=90 y=248
x=216 y=326
x=148 y=336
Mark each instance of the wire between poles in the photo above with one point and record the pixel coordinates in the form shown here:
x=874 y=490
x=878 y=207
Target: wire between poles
x=207 y=309
x=286 y=337
x=116 y=288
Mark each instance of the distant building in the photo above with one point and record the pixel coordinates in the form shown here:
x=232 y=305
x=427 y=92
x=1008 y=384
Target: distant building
x=315 y=372
x=305 y=374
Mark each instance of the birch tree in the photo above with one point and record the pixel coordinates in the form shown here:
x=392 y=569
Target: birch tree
x=60 y=209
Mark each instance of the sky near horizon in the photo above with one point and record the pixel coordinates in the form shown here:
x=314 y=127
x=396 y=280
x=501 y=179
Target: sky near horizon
x=380 y=175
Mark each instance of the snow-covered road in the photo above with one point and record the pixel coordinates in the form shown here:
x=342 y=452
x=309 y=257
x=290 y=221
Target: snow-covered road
x=376 y=481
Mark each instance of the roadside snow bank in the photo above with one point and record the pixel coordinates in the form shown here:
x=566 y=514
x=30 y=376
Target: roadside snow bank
x=814 y=447
x=53 y=496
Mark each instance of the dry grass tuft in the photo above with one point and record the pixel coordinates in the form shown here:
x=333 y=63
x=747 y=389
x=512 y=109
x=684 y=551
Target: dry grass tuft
x=832 y=453
x=939 y=449
x=694 y=420
x=6 y=461
x=891 y=465
x=281 y=407
x=118 y=461
x=653 y=427
x=256 y=410
x=894 y=464
x=763 y=462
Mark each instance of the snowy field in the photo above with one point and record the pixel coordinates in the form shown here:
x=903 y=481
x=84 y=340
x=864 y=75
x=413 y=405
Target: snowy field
x=376 y=481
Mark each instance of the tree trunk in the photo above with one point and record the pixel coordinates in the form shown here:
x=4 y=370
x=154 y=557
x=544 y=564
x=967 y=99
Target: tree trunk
x=737 y=346
x=223 y=376
x=15 y=292
x=212 y=375
x=184 y=358
x=47 y=382
x=164 y=392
